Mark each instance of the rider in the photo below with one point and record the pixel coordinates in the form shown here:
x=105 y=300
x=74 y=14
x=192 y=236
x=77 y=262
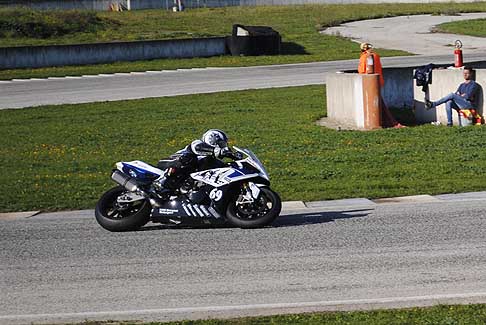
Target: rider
x=213 y=143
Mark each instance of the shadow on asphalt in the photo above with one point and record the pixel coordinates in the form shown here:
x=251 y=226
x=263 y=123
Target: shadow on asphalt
x=318 y=217
x=293 y=220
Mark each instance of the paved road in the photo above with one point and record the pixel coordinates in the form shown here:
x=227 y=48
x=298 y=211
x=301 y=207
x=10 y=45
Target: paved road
x=63 y=267
x=414 y=34
x=18 y=94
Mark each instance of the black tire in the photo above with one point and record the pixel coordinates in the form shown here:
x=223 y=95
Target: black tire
x=130 y=218
x=237 y=217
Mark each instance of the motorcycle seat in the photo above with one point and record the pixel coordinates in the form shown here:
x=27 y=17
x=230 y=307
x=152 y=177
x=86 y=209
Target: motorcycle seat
x=165 y=164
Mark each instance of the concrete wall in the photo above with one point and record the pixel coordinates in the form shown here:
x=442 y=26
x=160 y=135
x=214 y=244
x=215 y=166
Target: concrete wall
x=398 y=90
x=167 y=4
x=99 y=5
x=353 y=100
x=59 y=55
x=444 y=81
x=339 y=102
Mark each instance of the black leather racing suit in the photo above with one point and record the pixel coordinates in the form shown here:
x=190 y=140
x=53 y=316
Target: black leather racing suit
x=187 y=161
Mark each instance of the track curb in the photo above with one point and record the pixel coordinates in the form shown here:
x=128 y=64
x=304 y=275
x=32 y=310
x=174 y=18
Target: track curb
x=292 y=206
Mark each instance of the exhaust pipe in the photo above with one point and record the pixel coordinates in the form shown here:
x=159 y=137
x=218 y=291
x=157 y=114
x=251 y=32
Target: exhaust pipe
x=124 y=180
x=131 y=185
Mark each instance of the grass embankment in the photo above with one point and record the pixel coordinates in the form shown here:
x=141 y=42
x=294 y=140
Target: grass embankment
x=298 y=25
x=47 y=26
x=437 y=315
x=474 y=27
x=60 y=157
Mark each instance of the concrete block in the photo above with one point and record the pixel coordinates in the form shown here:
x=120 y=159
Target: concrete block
x=353 y=99
x=398 y=90
x=444 y=82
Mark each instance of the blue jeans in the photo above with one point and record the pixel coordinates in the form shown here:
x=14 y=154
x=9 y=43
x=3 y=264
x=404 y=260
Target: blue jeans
x=452 y=101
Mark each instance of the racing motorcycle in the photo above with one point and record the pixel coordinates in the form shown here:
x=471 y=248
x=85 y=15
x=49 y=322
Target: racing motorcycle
x=236 y=193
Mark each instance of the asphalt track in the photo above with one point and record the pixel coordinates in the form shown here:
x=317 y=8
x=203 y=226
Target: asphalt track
x=335 y=255
x=95 y=88
x=415 y=34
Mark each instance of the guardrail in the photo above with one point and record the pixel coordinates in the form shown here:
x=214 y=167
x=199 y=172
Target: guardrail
x=78 y=54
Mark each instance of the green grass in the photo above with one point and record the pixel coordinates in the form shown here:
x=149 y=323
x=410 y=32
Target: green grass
x=437 y=315
x=298 y=25
x=60 y=157
x=23 y=23
x=474 y=27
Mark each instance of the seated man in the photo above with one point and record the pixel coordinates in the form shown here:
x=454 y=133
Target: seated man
x=464 y=97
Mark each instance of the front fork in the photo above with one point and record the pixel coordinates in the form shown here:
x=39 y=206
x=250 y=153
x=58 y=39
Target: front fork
x=245 y=193
x=250 y=192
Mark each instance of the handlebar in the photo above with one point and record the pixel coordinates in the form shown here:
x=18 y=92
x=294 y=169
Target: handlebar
x=227 y=152
x=236 y=156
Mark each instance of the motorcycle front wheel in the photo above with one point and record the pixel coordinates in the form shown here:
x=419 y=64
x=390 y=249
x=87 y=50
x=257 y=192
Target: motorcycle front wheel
x=114 y=216
x=260 y=213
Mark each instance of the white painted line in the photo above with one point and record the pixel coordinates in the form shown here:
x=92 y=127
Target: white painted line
x=106 y=75
x=38 y=79
x=122 y=74
x=20 y=80
x=90 y=76
x=6 y=81
x=137 y=73
x=56 y=78
x=153 y=71
x=74 y=77
x=284 y=306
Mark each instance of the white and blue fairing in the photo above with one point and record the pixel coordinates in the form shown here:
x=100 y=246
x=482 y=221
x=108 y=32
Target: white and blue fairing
x=240 y=171
x=139 y=170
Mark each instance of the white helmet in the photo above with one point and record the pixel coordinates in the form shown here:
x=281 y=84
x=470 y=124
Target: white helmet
x=215 y=137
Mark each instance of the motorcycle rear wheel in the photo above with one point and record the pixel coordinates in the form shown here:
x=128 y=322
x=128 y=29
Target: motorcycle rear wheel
x=268 y=207
x=114 y=218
